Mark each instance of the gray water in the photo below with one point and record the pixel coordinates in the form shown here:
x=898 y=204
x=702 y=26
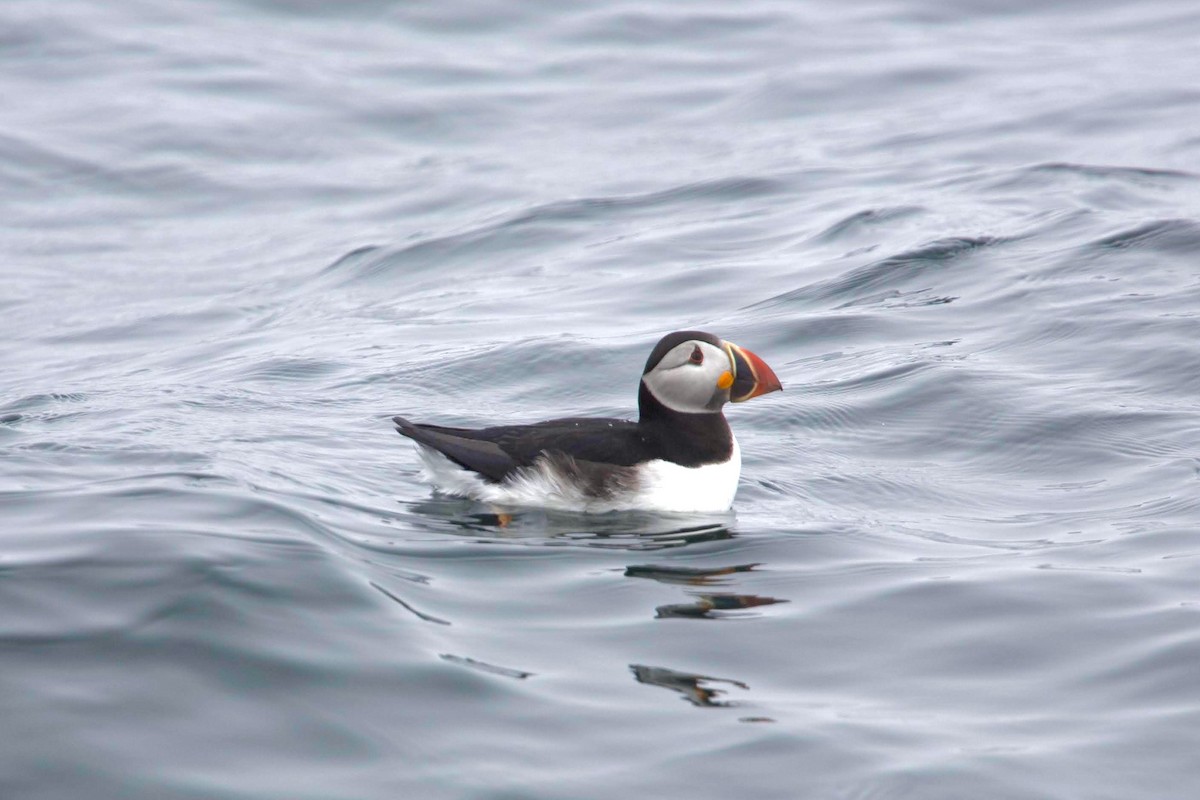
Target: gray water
x=238 y=235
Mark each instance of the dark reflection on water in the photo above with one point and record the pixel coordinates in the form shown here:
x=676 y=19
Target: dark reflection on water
x=709 y=606
x=691 y=576
x=699 y=690
x=483 y=666
x=408 y=607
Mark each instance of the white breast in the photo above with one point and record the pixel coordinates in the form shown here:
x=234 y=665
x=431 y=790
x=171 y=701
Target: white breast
x=670 y=487
x=662 y=486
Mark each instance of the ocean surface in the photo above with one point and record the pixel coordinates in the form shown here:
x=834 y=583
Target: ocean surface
x=239 y=235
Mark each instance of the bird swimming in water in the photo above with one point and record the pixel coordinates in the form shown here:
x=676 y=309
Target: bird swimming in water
x=680 y=455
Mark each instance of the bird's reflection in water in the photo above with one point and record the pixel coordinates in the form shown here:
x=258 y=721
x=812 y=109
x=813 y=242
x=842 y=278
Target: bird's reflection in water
x=707 y=605
x=620 y=530
x=691 y=576
x=699 y=690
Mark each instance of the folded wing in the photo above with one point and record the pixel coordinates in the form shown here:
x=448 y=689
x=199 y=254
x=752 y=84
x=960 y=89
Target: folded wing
x=496 y=452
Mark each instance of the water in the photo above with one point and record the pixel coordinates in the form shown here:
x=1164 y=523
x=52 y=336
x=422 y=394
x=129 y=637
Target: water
x=238 y=236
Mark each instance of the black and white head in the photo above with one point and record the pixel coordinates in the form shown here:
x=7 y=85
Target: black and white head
x=696 y=373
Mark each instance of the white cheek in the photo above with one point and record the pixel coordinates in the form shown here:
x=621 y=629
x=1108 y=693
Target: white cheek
x=689 y=389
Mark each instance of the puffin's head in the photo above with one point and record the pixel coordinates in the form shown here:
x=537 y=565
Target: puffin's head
x=695 y=372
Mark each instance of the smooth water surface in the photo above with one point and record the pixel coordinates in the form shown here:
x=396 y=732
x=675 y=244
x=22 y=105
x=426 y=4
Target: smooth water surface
x=240 y=234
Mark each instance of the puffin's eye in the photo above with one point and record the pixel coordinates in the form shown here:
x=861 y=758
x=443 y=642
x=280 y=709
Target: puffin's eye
x=697 y=356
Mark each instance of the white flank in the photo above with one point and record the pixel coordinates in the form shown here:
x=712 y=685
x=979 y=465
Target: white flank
x=663 y=486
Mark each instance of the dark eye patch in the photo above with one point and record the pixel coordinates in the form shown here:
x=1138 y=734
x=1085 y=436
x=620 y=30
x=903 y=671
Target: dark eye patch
x=697 y=356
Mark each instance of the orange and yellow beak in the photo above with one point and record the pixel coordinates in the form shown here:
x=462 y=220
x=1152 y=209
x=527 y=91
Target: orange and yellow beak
x=751 y=375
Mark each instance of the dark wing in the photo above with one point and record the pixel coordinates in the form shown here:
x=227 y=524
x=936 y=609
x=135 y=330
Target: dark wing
x=495 y=452
x=479 y=455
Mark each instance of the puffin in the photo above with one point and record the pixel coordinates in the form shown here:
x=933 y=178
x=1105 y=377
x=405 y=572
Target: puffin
x=679 y=456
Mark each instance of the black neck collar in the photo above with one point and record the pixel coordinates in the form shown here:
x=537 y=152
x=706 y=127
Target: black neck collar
x=689 y=440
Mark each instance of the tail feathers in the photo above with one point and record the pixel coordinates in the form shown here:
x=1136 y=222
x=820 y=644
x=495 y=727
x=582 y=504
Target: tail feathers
x=477 y=455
